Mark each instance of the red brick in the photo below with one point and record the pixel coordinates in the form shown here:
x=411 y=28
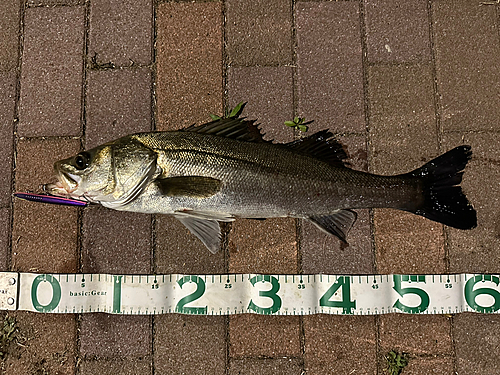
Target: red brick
x=7 y=104
x=430 y=366
x=266 y=366
x=52 y=72
x=397 y=32
x=121 y=31
x=118 y=103
x=259 y=32
x=4 y=238
x=466 y=48
x=128 y=366
x=189 y=60
x=329 y=65
x=9 y=34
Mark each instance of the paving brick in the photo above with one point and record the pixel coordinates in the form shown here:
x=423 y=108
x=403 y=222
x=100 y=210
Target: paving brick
x=47 y=3
x=119 y=103
x=9 y=34
x=40 y=226
x=52 y=68
x=476 y=342
x=189 y=344
x=4 y=238
x=7 y=103
x=397 y=32
x=329 y=65
x=266 y=366
x=477 y=250
x=105 y=247
x=48 y=345
x=324 y=253
x=403 y=131
x=432 y=365
x=114 y=366
x=269 y=94
x=121 y=31
x=189 y=63
x=340 y=344
x=105 y=335
x=268 y=246
x=259 y=32
x=466 y=48
x=416 y=334
x=264 y=336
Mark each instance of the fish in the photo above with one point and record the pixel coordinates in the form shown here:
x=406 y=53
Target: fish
x=224 y=170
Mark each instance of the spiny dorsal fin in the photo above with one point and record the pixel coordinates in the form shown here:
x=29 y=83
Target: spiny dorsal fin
x=321 y=146
x=235 y=128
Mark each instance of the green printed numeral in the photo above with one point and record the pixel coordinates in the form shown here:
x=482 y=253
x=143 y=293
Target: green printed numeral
x=424 y=297
x=275 y=287
x=200 y=289
x=56 y=293
x=343 y=283
x=471 y=294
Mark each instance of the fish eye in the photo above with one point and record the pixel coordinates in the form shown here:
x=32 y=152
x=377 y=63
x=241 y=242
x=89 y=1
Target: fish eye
x=82 y=160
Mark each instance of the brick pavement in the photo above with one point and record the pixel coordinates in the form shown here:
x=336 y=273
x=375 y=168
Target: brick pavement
x=401 y=82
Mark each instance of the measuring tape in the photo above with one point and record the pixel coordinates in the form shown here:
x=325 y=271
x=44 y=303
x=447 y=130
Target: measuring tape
x=250 y=293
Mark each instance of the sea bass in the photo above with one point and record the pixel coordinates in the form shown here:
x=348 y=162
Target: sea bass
x=223 y=170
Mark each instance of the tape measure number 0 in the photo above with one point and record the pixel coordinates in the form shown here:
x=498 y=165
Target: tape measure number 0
x=250 y=293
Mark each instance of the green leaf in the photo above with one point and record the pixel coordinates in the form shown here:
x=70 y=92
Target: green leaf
x=290 y=123
x=296 y=120
x=215 y=117
x=236 y=111
x=303 y=128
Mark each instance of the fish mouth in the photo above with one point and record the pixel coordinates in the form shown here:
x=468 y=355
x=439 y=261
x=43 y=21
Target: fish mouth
x=65 y=185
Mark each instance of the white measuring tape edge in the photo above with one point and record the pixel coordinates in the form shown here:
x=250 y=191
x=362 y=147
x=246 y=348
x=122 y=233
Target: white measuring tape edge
x=250 y=293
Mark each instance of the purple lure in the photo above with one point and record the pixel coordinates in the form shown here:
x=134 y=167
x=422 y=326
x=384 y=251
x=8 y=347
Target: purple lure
x=52 y=199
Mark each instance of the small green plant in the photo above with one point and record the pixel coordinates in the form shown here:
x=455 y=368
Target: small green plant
x=396 y=362
x=7 y=334
x=230 y=113
x=299 y=123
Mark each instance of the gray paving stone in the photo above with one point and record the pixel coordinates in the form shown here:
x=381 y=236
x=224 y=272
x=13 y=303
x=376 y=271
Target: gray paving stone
x=477 y=250
x=266 y=366
x=124 y=336
x=329 y=65
x=121 y=31
x=189 y=73
x=9 y=34
x=264 y=336
x=116 y=242
x=118 y=103
x=259 y=32
x=52 y=68
x=466 y=49
x=190 y=344
x=476 y=341
x=268 y=92
x=340 y=344
x=397 y=32
x=7 y=104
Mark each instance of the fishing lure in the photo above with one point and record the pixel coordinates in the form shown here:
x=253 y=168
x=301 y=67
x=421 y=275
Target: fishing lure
x=45 y=198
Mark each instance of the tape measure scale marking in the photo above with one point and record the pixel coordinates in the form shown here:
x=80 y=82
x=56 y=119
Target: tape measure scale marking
x=250 y=293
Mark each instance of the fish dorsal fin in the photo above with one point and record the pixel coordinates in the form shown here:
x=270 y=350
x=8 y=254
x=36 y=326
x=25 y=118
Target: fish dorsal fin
x=321 y=146
x=189 y=186
x=339 y=223
x=233 y=127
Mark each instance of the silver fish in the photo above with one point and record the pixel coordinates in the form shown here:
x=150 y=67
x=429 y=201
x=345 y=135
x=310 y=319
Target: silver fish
x=223 y=170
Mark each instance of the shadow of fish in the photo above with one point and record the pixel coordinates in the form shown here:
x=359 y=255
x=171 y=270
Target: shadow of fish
x=223 y=170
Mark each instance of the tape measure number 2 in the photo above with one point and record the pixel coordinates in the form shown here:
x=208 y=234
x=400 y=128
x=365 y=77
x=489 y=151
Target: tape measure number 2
x=250 y=293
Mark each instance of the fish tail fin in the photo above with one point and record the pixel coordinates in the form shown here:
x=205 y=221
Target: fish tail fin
x=444 y=200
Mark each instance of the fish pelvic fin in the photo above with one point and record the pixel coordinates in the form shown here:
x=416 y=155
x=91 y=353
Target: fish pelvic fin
x=443 y=198
x=207 y=231
x=339 y=223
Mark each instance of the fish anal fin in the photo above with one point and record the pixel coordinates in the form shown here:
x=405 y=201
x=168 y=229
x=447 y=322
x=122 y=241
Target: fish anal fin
x=339 y=223
x=189 y=186
x=207 y=231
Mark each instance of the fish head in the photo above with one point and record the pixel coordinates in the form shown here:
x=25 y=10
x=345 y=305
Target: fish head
x=115 y=172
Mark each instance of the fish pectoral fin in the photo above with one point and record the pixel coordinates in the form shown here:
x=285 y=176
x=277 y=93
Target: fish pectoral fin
x=189 y=186
x=208 y=231
x=339 y=223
